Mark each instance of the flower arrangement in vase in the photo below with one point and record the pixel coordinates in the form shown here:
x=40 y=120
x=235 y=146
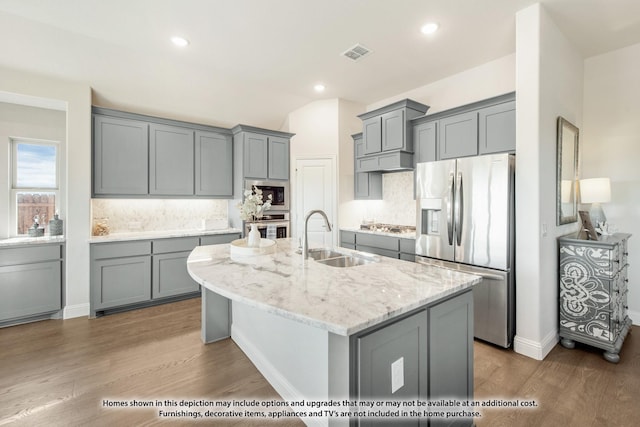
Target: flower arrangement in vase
x=252 y=209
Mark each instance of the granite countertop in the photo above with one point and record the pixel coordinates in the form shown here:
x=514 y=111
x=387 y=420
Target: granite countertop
x=405 y=235
x=340 y=300
x=145 y=235
x=20 y=241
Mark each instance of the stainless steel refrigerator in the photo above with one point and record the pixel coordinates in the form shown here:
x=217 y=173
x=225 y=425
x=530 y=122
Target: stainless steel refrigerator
x=465 y=221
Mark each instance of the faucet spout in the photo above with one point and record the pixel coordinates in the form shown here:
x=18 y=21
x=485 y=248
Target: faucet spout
x=305 y=249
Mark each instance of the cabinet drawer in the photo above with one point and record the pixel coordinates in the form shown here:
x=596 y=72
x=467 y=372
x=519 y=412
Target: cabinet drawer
x=366 y=164
x=348 y=237
x=30 y=289
x=120 y=249
x=378 y=251
x=218 y=238
x=382 y=242
x=408 y=246
x=26 y=255
x=175 y=245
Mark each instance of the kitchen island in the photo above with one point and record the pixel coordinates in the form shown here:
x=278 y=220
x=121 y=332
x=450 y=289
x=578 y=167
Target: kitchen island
x=387 y=330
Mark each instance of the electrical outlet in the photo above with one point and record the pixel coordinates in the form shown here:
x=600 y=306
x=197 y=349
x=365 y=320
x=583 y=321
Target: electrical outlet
x=397 y=375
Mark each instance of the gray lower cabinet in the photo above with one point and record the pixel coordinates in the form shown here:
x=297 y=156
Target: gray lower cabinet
x=120 y=274
x=407 y=249
x=214 y=164
x=393 y=247
x=120 y=156
x=171 y=160
x=145 y=272
x=30 y=282
x=427 y=355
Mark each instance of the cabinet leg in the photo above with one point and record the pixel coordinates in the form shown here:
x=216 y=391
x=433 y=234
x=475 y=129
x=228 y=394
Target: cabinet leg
x=567 y=343
x=611 y=357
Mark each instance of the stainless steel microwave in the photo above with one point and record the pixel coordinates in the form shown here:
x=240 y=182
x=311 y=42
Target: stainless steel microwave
x=279 y=191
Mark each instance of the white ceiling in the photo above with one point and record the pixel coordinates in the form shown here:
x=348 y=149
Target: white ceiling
x=254 y=61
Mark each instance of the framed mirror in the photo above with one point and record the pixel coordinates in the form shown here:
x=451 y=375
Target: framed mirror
x=567 y=172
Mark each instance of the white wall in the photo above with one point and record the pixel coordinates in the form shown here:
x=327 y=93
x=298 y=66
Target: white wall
x=23 y=121
x=611 y=146
x=77 y=97
x=548 y=84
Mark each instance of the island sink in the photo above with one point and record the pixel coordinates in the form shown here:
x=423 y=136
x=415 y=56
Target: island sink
x=337 y=259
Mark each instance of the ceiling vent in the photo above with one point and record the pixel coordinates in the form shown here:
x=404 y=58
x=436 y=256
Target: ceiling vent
x=356 y=52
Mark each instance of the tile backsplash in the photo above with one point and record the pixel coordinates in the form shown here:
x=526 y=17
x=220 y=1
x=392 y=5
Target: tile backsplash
x=397 y=205
x=130 y=215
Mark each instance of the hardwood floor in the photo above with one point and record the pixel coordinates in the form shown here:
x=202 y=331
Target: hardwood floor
x=57 y=373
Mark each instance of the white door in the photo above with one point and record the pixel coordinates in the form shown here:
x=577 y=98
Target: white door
x=315 y=189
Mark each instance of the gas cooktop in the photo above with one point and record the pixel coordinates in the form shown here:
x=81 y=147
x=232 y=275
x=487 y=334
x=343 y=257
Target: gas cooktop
x=388 y=228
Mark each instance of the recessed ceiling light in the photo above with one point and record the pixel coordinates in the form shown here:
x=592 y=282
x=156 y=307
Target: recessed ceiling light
x=319 y=87
x=429 y=28
x=179 y=41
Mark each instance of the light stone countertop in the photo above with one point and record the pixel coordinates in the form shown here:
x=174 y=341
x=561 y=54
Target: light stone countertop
x=42 y=240
x=340 y=300
x=145 y=235
x=407 y=235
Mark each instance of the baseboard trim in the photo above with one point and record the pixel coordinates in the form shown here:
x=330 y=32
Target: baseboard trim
x=534 y=349
x=635 y=317
x=284 y=388
x=76 y=310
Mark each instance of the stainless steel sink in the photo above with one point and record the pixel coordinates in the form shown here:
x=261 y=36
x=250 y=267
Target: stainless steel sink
x=321 y=253
x=345 y=261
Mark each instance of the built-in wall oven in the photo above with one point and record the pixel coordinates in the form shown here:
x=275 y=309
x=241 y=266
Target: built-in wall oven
x=272 y=225
x=278 y=190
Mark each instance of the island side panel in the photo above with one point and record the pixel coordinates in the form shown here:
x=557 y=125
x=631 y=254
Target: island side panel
x=216 y=317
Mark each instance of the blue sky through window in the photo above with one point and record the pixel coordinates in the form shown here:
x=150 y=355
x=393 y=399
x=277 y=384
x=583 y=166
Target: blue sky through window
x=36 y=166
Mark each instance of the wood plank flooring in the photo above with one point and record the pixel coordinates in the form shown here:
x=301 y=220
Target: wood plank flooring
x=57 y=373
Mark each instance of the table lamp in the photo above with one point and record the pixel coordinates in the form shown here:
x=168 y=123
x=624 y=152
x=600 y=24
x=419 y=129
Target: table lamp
x=596 y=191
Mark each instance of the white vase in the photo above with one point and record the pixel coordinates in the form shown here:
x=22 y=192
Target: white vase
x=253 y=238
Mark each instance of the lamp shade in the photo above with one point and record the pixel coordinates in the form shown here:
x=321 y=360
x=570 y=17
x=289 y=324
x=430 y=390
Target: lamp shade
x=595 y=190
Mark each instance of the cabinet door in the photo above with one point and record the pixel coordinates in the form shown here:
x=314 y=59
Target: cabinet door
x=425 y=142
x=171 y=161
x=393 y=130
x=451 y=353
x=497 y=131
x=393 y=364
x=30 y=289
x=120 y=281
x=278 y=158
x=255 y=147
x=358 y=147
x=368 y=186
x=120 y=156
x=458 y=136
x=216 y=239
x=214 y=164
x=170 y=275
x=372 y=135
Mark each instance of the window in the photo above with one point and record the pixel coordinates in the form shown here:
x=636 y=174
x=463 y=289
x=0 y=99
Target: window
x=35 y=188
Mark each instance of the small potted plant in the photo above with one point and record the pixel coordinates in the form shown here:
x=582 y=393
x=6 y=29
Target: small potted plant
x=251 y=210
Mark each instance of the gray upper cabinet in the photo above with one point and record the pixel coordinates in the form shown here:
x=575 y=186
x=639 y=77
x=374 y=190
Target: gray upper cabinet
x=394 y=131
x=372 y=135
x=458 y=136
x=171 y=154
x=367 y=185
x=497 y=133
x=278 y=158
x=213 y=164
x=425 y=142
x=120 y=156
x=142 y=156
x=264 y=153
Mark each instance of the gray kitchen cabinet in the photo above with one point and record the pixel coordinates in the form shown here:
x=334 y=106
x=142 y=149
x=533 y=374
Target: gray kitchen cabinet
x=30 y=282
x=593 y=292
x=348 y=239
x=394 y=131
x=367 y=185
x=120 y=274
x=170 y=276
x=390 y=246
x=425 y=142
x=427 y=354
x=213 y=164
x=497 y=128
x=407 y=249
x=216 y=239
x=171 y=160
x=120 y=156
x=458 y=136
x=372 y=135
x=264 y=153
x=451 y=354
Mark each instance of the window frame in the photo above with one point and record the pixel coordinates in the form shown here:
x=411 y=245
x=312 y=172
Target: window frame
x=15 y=189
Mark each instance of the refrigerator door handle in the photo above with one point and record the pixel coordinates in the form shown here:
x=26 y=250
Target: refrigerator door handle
x=449 y=209
x=459 y=209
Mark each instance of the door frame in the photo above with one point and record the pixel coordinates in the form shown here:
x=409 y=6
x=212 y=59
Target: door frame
x=293 y=191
